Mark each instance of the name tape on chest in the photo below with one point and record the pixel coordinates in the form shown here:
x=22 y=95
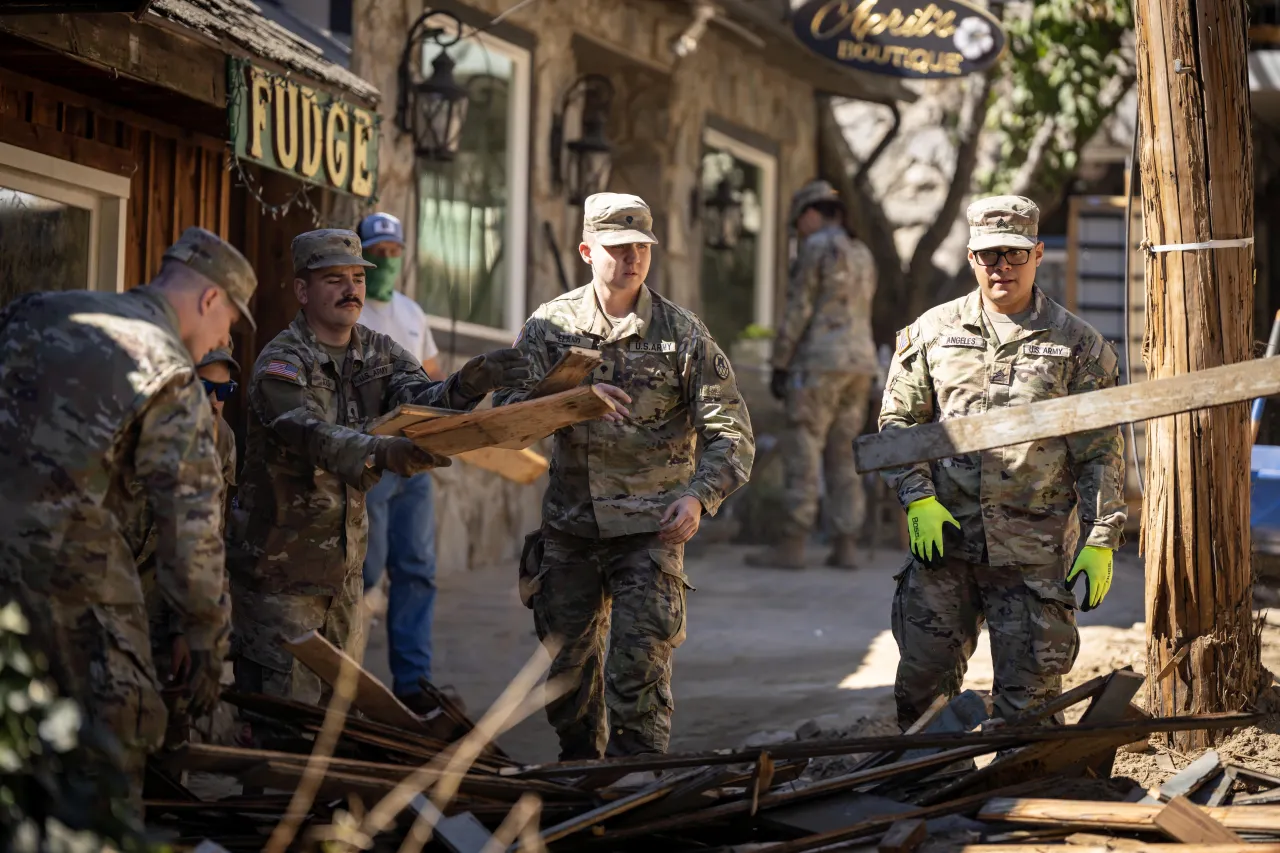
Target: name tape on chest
x=574 y=340
x=373 y=373
x=1051 y=350
x=967 y=341
x=652 y=346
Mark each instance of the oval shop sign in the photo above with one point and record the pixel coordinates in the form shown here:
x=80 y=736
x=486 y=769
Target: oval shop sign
x=901 y=38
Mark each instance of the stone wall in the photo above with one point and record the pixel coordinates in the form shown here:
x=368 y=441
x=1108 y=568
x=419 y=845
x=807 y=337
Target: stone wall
x=656 y=126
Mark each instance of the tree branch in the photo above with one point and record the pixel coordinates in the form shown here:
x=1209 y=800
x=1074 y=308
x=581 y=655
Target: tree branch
x=973 y=117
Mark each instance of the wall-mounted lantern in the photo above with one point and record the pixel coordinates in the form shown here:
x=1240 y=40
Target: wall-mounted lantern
x=431 y=109
x=722 y=217
x=582 y=166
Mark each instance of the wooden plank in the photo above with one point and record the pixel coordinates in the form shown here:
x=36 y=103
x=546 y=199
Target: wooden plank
x=372 y=698
x=519 y=466
x=573 y=367
x=1156 y=398
x=1119 y=844
x=394 y=422
x=904 y=837
x=1120 y=816
x=586 y=820
x=995 y=739
x=462 y=833
x=65 y=146
x=1188 y=780
x=515 y=426
x=120 y=46
x=1059 y=703
x=1184 y=822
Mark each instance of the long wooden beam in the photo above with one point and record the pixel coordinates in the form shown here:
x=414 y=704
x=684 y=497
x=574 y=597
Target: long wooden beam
x=1157 y=398
x=1120 y=816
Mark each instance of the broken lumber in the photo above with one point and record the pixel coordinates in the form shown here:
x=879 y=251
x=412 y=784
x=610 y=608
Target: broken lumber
x=519 y=466
x=903 y=837
x=574 y=366
x=514 y=427
x=1120 y=844
x=1184 y=822
x=1155 y=398
x=462 y=833
x=1120 y=816
x=994 y=739
x=1188 y=780
x=372 y=698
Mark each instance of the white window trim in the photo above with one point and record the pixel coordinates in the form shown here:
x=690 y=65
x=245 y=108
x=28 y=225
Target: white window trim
x=767 y=253
x=519 y=122
x=104 y=195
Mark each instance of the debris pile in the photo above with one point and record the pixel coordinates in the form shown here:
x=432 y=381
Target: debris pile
x=1048 y=784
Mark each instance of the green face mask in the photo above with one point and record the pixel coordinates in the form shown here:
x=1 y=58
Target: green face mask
x=380 y=283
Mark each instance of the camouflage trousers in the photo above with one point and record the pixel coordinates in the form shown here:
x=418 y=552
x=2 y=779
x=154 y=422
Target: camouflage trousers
x=618 y=605
x=939 y=611
x=825 y=413
x=262 y=621
x=100 y=655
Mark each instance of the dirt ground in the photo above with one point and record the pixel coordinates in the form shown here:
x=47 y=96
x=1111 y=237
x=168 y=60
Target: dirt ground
x=770 y=650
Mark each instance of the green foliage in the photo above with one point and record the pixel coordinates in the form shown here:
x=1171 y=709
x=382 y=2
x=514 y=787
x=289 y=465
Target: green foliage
x=59 y=789
x=1062 y=58
x=756 y=332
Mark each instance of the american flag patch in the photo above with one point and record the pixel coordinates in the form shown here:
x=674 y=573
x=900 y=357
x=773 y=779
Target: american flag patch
x=283 y=369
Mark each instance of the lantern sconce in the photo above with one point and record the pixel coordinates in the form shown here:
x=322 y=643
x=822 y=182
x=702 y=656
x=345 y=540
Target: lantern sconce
x=722 y=217
x=431 y=109
x=582 y=166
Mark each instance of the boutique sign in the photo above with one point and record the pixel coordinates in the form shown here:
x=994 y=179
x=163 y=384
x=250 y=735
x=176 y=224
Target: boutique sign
x=279 y=123
x=942 y=39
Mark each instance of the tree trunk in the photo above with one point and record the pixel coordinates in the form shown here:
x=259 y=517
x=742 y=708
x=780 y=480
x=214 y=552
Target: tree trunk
x=1197 y=185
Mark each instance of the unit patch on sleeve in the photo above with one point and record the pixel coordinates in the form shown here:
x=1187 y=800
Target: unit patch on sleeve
x=1052 y=350
x=721 y=365
x=970 y=341
x=905 y=337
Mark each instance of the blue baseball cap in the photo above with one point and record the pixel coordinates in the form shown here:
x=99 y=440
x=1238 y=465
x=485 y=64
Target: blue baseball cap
x=380 y=228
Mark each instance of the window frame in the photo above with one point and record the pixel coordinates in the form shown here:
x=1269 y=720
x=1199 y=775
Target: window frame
x=767 y=256
x=519 y=134
x=104 y=195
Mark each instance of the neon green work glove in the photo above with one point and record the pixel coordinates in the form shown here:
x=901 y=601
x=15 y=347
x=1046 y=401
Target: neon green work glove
x=1095 y=562
x=925 y=518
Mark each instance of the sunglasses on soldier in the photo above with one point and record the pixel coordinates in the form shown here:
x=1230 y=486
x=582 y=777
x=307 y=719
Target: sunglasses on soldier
x=220 y=390
x=991 y=257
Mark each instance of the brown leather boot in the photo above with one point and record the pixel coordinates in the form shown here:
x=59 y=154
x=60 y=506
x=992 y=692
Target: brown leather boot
x=843 y=553
x=787 y=554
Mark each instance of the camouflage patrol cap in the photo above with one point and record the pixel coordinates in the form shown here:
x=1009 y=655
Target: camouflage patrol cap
x=617 y=219
x=221 y=355
x=221 y=263
x=328 y=247
x=814 y=192
x=1012 y=221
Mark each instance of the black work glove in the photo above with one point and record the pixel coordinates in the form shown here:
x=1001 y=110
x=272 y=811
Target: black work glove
x=400 y=455
x=504 y=368
x=204 y=684
x=778 y=383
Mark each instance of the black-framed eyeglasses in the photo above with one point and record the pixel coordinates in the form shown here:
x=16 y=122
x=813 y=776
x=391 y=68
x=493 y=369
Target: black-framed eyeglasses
x=220 y=390
x=991 y=257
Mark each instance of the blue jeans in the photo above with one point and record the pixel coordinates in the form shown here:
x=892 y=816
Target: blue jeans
x=402 y=541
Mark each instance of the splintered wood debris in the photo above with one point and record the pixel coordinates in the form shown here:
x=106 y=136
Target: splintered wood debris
x=1046 y=787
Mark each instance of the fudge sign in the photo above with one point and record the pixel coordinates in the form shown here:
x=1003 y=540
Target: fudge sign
x=902 y=38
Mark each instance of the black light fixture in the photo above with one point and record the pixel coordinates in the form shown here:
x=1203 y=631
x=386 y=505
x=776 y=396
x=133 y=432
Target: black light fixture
x=722 y=217
x=589 y=158
x=431 y=109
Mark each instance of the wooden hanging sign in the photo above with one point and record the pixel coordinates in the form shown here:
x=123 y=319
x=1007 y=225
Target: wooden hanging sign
x=277 y=122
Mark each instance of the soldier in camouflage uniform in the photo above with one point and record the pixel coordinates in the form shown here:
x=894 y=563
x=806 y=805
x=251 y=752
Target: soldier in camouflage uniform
x=99 y=392
x=1012 y=515
x=626 y=494
x=298 y=527
x=824 y=361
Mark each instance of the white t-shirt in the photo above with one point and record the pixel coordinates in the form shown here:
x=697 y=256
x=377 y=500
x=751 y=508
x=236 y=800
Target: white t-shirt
x=405 y=321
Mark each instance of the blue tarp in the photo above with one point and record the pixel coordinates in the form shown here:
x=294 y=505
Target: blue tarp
x=1264 y=513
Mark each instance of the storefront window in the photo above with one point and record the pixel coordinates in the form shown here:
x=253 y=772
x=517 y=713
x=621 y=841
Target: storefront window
x=44 y=244
x=737 y=279
x=473 y=210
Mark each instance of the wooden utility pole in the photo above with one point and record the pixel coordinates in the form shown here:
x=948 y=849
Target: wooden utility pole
x=1197 y=185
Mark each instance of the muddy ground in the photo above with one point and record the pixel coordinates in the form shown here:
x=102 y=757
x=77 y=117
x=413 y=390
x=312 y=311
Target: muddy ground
x=770 y=650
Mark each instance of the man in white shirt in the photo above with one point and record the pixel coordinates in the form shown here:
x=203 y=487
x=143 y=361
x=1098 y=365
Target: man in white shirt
x=401 y=509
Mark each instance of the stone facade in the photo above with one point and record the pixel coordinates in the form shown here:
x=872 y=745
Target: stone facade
x=659 y=111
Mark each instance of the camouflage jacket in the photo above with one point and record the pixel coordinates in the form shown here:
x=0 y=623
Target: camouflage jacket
x=617 y=479
x=1022 y=504
x=298 y=523
x=98 y=393
x=827 y=324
